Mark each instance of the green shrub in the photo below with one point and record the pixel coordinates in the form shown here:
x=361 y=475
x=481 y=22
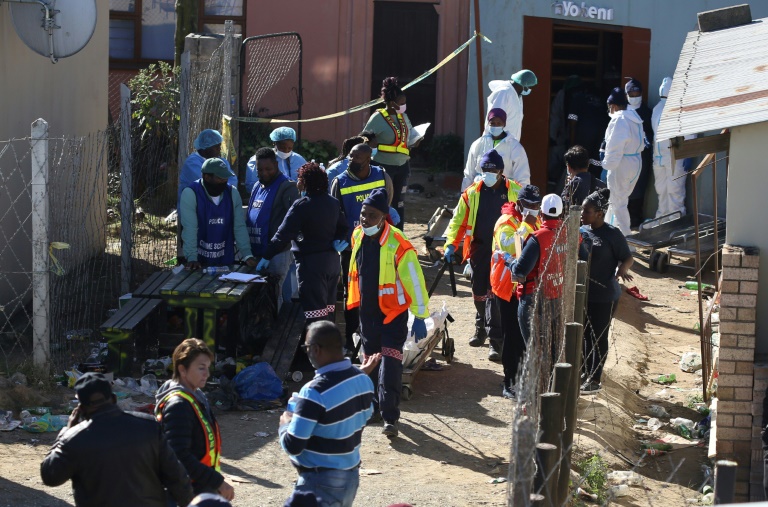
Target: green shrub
x=594 y=470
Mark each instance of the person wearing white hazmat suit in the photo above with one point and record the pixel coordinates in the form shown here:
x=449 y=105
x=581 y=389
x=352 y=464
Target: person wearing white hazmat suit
x=624 y=142
x=508 y=95
x=669 y=175
x=497 y=137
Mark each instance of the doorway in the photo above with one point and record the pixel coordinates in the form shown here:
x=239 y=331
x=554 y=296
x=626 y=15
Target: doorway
x=405 y=45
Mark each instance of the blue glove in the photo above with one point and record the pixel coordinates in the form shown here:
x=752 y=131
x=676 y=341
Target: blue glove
x=507 y=258
x=394 y=215
x=419 y=329
x=449 y=251
x=340 y=245
x=262 y=265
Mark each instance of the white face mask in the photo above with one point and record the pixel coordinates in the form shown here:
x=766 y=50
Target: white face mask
x=496 y=131
x=526 y=91
x=284 y=156
x=635 y=101
x=490 y=179
x=401 y=109
x=372 y=230
x=532 y=212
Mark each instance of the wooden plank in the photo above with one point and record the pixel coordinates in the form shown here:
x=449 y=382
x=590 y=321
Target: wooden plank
x=199 y=285
x=289 y=340
x=223 y=291
x=125 y=312
x=149 y=305
x=151 y=288
x=174 y=281
x=682 y=148
x=145 y=288
x=214 y=285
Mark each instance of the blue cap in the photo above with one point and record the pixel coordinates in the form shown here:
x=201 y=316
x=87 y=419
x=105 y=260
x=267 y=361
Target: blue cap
x=618 y=97
x=491 y=161
x=282 y=134
x=378 y=199
x=525 y=78
x=530 y=193
x=208 y=138
x=633 y=85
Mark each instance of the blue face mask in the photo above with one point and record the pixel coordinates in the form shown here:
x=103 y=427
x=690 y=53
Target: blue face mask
x=374 y=151
x=496 y=131
x=372 y=230
x=303 y=193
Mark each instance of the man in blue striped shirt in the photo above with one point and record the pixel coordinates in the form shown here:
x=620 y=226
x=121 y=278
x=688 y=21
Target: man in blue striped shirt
x=322 y=427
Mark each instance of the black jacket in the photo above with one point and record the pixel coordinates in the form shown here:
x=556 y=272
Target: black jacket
x=116 y=459
x=187 y=439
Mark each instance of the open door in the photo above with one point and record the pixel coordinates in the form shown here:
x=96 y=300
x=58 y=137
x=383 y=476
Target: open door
x=537 y=57
x=636 y=57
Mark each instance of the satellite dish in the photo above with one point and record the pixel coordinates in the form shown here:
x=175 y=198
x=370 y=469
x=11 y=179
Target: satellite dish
x=54 y=28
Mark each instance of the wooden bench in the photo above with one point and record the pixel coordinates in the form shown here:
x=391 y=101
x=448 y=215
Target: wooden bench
x=121 y=330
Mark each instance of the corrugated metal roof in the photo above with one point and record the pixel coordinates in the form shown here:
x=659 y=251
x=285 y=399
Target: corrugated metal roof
x=721 y=81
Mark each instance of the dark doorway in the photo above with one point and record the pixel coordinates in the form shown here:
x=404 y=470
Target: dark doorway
x=405 y=45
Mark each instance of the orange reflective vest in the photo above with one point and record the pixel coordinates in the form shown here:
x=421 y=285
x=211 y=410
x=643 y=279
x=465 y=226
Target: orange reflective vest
x=212 y=454
x=549 y=268
x=507 y=226
x=401 y=281
x=462 y=224
x=401 y=135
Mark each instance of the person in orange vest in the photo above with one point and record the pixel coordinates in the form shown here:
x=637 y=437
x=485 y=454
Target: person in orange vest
x=540 y=266
x=188 y=421
x=472 y=224
x=385 y=281
x=518 y=220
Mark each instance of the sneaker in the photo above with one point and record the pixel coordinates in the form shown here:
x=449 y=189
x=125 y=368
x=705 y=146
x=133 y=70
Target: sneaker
x=590 y=387
x=478 y=339
x=493 y=355
x=390 y=430
x=509 y=392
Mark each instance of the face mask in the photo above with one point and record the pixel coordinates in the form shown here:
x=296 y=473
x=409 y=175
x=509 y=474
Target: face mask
x=303 y=193
x=284 y=155
x=496 y=131
x=532 y=212
x=215 y=189
x=372 y=230
x=526 y=91
x=490 y=179
x=374 y=151
x=635 y=101
x=401 y=109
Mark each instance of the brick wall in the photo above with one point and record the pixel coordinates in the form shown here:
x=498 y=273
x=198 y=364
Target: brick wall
x=741 y=385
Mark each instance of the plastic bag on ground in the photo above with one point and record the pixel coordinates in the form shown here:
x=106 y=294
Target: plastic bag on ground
x=690 y=362
x=148 y=385
x=258 y=382
x=654 y=424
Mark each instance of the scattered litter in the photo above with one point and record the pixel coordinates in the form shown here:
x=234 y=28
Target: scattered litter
x=369 y=471
x=586 y=494
x=241 y=480
x=658 y=411
x=654 y=424
x=660 y=395
x=635 y=293
x=498 y=480
x=623 y=477
x=665 y=379
x=261 y=434
x=6 y=421
x=690 y=362
x=659 y=445
x=148 y=385
x=45 y=423
x=19 y=379
x=432 y=365
x=620 y=490
x=654 y=452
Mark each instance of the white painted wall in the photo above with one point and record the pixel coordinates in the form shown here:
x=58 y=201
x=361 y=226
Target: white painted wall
x=748 y=208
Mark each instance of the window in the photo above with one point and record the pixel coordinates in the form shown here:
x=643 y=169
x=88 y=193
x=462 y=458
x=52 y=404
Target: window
x=142 y=31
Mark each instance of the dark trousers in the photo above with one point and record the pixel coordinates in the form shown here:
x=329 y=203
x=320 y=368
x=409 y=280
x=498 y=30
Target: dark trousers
x=387 y=377
x=765 y=471
x=546 y=313
x=399 y=175
x=486 y=317
x=318 y=276
x=636 y=203
x=351 y=317
x=599 y=315
x=514 y=343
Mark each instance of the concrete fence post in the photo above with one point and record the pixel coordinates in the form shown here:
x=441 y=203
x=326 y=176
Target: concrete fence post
x=41 y=302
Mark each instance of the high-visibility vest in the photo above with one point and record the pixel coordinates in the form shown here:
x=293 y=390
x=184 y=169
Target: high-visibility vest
x=401 y=135
x=212 y=454
x=354 y=192
x=401 y=281
x=462 y=224
x=552 y=257
x=502 y=282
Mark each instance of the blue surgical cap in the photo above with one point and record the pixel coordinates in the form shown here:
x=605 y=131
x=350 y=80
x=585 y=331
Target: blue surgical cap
x=208 y=138
x=282 y=133
x=525 y=78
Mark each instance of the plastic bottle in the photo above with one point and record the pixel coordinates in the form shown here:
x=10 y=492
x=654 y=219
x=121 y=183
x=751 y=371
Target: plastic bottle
x=625 y=477
x=666 y=379
x=677 y=421
x=685 y=431
x=216 y=270
x=691 y=285
x=620 y=490
x=654 y=424
x=655 y=452
x=659 y=446
x=657 y=411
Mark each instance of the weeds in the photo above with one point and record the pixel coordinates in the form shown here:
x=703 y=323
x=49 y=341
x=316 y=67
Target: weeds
x=594 y=471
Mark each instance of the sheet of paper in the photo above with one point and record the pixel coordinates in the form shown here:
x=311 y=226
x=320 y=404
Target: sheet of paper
x=418 y=132
x=242 y=277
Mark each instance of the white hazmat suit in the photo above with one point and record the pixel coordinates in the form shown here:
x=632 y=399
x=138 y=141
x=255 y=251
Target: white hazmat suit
x=624 y=141
x=511 y=151
x=504 y=96
x=669 y=175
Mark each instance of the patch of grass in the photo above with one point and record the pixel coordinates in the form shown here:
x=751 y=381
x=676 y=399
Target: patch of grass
x=692 y=399
x=594 y=470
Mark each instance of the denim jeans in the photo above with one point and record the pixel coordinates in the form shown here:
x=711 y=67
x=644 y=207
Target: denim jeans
x=334 y=488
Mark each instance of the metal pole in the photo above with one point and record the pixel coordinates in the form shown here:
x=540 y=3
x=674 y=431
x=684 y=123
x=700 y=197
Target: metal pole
x=714 y=213
x=479 y=59
x=41 y=303
x=126 y=190
x=725 y=481
x=573 y=349
x=545 y=482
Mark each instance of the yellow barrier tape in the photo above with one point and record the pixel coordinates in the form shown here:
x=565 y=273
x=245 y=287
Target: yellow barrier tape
x=374 y=102
x=227 y=145
x=57 y=269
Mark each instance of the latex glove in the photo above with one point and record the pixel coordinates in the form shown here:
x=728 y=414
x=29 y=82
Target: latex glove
x=449 y=251
x=394 y=215
x=262 y=265
x=419 y=329
x=508 y=258
x=340 y=245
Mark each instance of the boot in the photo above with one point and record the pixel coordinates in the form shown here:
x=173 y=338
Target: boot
x=479 y=338
x=493 y=354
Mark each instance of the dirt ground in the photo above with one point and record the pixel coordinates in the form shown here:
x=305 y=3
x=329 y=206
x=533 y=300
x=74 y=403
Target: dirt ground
x=455 y=430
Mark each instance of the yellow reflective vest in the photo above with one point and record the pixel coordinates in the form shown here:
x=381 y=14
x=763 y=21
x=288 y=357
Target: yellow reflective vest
x=509 y=223
x=401 y=135
x=401 y=281
x=462 y=224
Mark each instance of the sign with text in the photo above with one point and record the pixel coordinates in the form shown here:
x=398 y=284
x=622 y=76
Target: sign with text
x=575 y=10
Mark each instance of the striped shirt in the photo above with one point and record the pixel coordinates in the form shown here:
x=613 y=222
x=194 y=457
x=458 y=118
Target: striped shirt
x=329 y=418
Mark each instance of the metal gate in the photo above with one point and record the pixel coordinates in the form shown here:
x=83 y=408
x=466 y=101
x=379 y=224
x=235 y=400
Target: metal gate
x=270 y=87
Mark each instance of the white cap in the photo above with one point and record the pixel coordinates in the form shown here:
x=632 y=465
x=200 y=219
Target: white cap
x=666 y=85
x=552 y=205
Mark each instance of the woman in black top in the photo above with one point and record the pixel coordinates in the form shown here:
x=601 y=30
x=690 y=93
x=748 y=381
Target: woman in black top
x=610 y=259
